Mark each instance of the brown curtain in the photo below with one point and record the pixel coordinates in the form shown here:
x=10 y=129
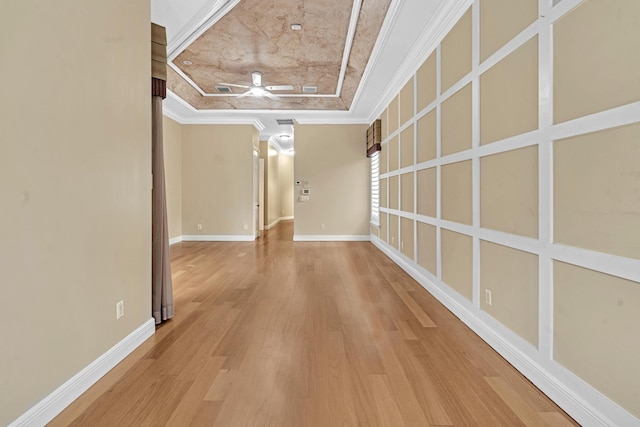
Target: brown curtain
x=161 y=285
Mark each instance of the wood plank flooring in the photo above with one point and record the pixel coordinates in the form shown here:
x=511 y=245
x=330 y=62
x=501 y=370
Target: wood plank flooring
x=277 y=333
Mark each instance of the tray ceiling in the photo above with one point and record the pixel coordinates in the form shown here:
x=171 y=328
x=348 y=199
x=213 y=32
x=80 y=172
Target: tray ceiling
x=384 y=44
x=329 y=52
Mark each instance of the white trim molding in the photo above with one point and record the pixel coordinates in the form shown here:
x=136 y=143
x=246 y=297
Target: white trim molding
x=277 y=221
x=405 y=38
x=580 y=400
x=273 y=224
x=441 y=23
x=330 y=238
x=182 y=112
x=49 y=407
x=219 y=238
x=175 y=240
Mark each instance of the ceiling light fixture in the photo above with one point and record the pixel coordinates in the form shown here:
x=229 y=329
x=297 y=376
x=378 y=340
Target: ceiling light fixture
x=296 y=27
x=187 y=62
x=257 y=91
x=284 y=136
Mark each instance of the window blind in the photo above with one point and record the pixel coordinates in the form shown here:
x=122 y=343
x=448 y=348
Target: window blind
x=375 y=188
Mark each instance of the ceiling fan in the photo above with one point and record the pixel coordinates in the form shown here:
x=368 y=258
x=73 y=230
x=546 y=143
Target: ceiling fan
x=257 y=89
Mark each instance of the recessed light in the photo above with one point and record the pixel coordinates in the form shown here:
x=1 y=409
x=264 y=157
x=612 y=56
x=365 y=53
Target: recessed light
x=187 y=62
x=296 y=27
x=285 y=136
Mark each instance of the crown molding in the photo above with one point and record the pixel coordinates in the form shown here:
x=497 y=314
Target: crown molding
x=446 y=16
x=215 y=10
x=275 y=144
x=179 y=110
x=346 y=53
x=182 y=112
x=206 y=17
x=172 y=116
x=329 y=118
x=385 y=32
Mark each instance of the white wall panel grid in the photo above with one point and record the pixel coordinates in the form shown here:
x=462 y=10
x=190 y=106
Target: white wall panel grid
x=582 y=401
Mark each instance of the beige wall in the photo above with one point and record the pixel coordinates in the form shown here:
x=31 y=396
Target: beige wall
x=509 y=102
x=598 y=198
x=426 y=83
x=596 y=319
x=456 y=122
x=332 y=159
x=456 y=52
x=502 y=20
x=509 y=192
x=264 y=154
x=587 y=44
x=279 y=188
x=173 y=174
x=75 y=185
x=485 y=206
x=217 y=179
x=273 y=187
x=286 y=185
x=512 y=277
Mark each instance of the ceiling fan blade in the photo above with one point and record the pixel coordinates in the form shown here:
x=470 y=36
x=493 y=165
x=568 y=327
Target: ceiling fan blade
x=279 y=87
x=234 y=85
x=271 y=96
x=242 y=95
x=256 y=77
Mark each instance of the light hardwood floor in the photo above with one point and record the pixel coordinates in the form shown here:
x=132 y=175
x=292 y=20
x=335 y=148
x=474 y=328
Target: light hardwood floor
x=277 y=333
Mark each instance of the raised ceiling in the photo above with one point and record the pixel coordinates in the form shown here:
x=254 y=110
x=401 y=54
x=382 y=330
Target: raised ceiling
x=329 y=52
x=359 y=54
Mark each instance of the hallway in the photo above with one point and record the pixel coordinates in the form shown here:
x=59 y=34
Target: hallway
x=279 y=333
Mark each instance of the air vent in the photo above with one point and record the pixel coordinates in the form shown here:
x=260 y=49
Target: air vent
x=223 y=89
x=284 y=121
x=309 y=89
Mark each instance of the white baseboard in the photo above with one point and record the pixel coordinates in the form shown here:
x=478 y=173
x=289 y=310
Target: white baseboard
x=219 y=238
x=585 y=404
x=273 y=224
x=49 y=407
x=277 y=221
x=330 y=238
x=175 y=240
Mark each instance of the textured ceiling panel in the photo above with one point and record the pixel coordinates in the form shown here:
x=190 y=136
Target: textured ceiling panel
x=256 y=35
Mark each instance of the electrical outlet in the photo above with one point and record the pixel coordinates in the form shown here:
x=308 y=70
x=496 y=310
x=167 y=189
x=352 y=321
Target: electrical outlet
x=199 y=226
x=487 y=297
x=245 y=227
x=119 y=309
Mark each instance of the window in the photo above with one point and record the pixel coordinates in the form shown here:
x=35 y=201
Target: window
x=375 y=188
